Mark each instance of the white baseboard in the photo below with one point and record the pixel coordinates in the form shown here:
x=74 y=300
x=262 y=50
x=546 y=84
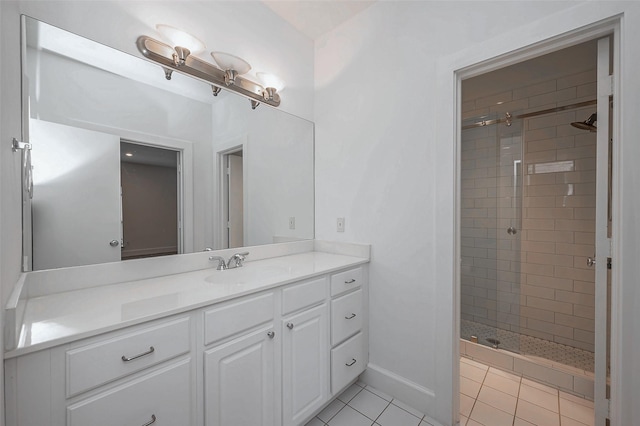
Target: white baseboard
x=410 y=393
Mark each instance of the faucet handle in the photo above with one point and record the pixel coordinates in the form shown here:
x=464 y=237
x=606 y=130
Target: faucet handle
x=238 y=258
x=221 y=264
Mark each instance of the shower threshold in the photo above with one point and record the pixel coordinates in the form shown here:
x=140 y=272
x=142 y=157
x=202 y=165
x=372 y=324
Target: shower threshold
x=563 y=367
x=528 y=345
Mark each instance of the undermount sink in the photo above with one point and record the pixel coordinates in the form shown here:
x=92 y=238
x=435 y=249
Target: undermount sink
x=245 y=274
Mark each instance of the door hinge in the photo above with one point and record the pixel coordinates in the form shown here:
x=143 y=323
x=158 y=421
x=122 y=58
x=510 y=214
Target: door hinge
x=612 y=85
x=608 y=263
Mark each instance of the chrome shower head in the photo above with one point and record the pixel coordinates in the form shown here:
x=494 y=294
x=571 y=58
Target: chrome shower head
x=588 y=124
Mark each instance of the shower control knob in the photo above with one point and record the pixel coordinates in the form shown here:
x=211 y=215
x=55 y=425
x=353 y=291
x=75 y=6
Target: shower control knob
x=512 y=231
x=591 y=261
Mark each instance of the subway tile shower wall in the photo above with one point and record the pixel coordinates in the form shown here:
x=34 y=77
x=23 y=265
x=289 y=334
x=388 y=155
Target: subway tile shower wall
x=535 y=282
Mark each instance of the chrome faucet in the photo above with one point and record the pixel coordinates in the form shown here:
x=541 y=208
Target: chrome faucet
x=235 y=261
x=221 y=264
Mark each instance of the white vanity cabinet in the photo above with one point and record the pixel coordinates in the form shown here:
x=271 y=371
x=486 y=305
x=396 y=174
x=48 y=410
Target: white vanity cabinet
x=305 y=354
x=349 y=356
x=240 y=363
x=137 y=376
x=271 y=357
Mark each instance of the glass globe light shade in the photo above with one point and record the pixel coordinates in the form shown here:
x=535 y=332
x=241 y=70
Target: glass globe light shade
x=179 y=38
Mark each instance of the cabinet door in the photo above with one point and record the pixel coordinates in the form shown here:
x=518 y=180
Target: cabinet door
x=305 y=364
x=239 y=381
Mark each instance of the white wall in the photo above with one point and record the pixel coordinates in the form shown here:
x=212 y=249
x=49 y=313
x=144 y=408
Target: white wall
x=10 y=194
x=385 y=161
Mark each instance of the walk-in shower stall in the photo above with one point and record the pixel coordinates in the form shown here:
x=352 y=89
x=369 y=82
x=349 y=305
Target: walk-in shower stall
x=527 y=223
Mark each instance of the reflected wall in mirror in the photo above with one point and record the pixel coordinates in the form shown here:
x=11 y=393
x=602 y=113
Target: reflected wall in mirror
x=238 y=177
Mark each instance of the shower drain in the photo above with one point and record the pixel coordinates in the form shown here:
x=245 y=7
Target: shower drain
x=494 y=342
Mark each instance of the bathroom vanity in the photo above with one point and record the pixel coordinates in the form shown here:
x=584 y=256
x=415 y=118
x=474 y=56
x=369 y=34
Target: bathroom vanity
x=270 y=343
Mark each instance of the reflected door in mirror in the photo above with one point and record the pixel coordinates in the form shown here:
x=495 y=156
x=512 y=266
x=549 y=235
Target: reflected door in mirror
x=76 y=201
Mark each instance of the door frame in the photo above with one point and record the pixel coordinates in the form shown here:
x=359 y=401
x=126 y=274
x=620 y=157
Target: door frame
x=180 y=182
x=463 y=66
x=220 y=203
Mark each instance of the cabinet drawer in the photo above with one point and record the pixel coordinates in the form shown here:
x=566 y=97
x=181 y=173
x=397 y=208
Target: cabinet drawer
x=96 y=364
x=237 y=316
x=347 y=362
x=302 y=295
x=345 y=281
x=165 y=395
x=346 y=316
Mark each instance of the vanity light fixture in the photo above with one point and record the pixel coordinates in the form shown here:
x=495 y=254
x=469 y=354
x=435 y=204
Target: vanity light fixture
x=272 y=83
x=178 y=55
x=184 y=44
x=232 y=66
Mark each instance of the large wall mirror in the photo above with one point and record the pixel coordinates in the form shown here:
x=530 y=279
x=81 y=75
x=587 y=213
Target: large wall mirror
x=126 y=164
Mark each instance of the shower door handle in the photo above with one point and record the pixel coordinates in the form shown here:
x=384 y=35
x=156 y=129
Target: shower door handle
x=512 y=231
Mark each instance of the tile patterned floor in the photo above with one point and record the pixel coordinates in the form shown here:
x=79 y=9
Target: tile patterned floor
x=528 y=345
x=488 y=397
x=362 y=405
x=492 y=397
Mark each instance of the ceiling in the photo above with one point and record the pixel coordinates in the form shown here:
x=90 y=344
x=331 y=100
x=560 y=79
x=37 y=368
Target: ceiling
x=317 y=17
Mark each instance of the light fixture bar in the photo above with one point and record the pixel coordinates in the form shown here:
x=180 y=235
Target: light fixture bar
x=162 y=54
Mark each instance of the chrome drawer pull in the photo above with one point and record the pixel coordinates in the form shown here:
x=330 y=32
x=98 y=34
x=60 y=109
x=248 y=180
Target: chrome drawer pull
x=350 y=316
x=153 y=420
x=351 y=281
x=149 y=352
x=349 y=364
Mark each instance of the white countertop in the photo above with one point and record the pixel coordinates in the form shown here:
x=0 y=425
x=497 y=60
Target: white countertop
x=55 y=319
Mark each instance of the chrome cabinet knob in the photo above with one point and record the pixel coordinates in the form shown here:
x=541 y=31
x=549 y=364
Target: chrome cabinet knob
x=290 y=325
x=271 y=334
x=114 y=243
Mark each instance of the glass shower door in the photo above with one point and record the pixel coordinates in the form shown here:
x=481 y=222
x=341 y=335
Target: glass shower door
x=491 y=212
x=509 y=232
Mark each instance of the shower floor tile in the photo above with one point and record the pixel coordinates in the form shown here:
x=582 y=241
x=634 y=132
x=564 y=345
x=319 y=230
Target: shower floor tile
x=528 y=345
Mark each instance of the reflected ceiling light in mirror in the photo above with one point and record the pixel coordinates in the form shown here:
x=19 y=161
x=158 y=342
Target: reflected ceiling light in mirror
x=272 y=83
x=232 y=66
x=183 y=43
x=215 y=90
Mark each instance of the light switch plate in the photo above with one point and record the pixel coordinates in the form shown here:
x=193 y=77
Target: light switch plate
x=340 y=224
x=292 y=222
